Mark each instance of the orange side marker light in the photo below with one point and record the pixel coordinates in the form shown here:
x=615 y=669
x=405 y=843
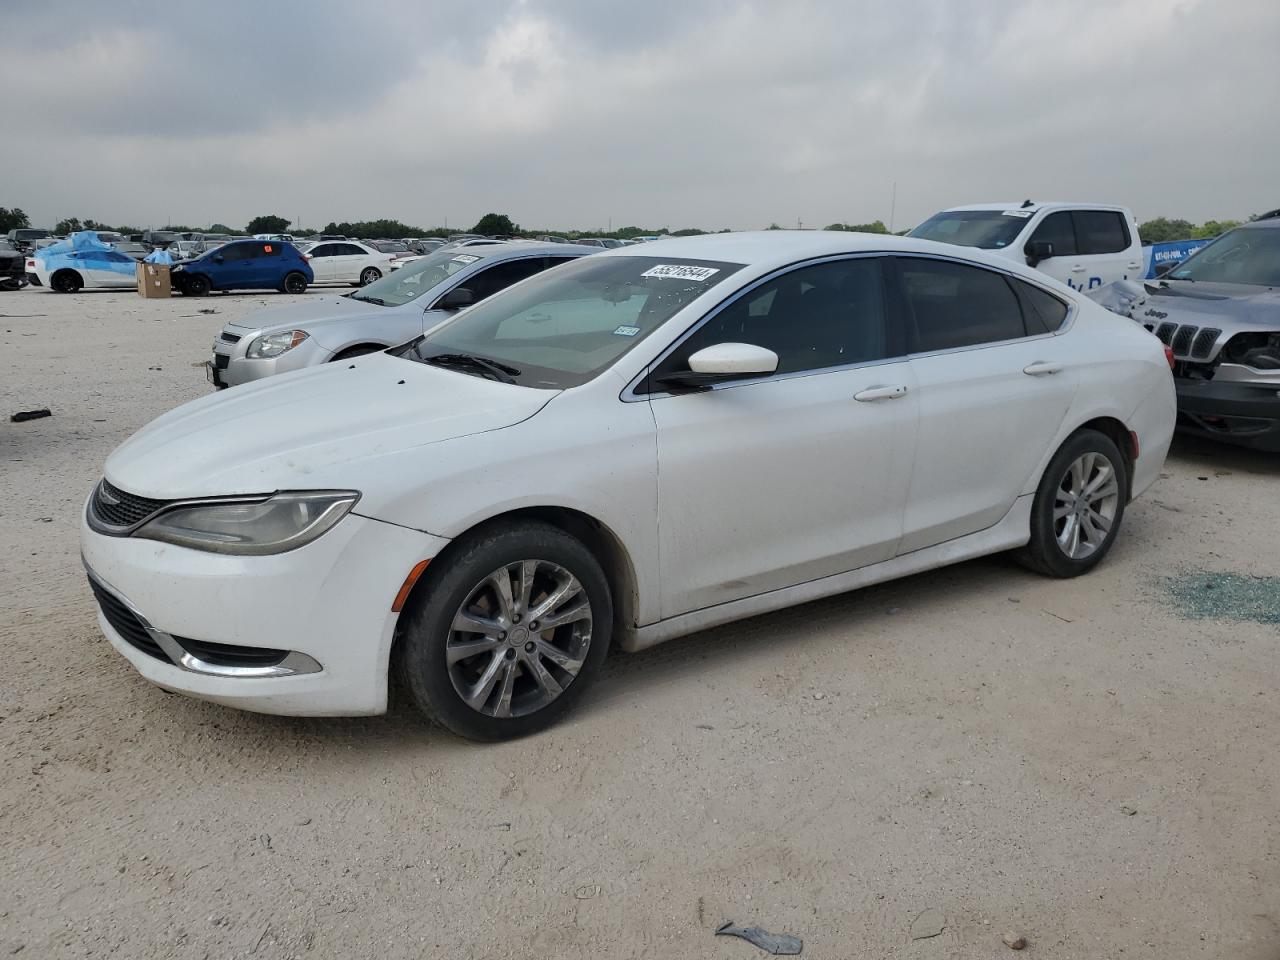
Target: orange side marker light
x=407 y=587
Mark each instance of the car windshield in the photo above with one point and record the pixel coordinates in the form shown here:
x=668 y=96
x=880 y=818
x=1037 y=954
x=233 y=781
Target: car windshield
x=1246 y=255
x=985 y=229
x=414 y=279
x=563 y=327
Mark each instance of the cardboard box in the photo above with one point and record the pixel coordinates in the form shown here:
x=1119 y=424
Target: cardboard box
x=154 y=281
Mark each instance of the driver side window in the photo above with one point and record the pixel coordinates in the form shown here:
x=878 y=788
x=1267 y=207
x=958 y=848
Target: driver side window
x=814 y=318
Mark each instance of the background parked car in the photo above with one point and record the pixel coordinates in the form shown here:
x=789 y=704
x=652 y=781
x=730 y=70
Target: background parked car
x=347 y=261
x=244 y=265
x=159 y=238
x=607 y=242
x=185 y=249
x=12 y=267
x=1084 y=245
x=80 y=261
x=136 y=250
x=387 y=312
x=24 y=238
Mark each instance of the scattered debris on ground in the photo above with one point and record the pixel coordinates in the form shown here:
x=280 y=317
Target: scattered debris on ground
x=1014 y=941
x=778 y=944
x=928 y=924
x=1214 y=595
x=23 y=415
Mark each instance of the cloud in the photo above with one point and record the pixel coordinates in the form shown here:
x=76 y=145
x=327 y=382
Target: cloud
x=578 y=112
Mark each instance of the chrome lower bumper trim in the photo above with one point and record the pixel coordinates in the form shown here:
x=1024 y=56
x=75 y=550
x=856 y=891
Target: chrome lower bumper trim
x=293 y=664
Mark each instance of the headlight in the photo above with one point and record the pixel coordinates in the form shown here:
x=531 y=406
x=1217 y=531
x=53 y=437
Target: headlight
x=177 y=267
x=274 y=344
x=283 y=522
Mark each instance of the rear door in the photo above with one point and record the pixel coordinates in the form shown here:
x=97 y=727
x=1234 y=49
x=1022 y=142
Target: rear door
x=347 y=262
x=993 y=388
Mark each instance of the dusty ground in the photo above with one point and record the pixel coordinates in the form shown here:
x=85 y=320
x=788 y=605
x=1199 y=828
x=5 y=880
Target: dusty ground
x=968 y=741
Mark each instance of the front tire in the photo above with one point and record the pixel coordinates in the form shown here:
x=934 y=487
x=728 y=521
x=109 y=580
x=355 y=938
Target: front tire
x=368 y=275
x=66 y=281
x=1078 y=507
x=196 y=285
x=295 y=283
x=512 y=628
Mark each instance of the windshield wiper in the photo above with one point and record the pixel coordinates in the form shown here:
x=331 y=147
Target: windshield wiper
x=378 y=300
x=498 y=371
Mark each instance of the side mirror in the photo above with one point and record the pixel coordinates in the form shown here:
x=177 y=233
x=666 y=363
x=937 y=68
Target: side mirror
x=456 y=299
x=218 y=258
x=1037 y=250
x=1165 y=267
x=718 y=363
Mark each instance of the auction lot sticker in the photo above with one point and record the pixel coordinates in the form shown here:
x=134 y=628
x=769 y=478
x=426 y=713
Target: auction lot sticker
x=680 y=271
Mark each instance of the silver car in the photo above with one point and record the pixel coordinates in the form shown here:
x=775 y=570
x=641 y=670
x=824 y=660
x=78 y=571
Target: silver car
x=385 y=313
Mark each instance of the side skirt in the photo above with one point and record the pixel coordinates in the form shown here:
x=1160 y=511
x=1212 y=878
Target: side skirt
x=1011 y=532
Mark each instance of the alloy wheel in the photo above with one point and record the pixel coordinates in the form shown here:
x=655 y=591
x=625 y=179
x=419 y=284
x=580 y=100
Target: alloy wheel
x=1084 y=505
x=519 y=639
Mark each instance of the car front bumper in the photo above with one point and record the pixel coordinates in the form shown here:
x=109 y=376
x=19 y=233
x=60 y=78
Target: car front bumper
x=325 y=606
x=1245 y=414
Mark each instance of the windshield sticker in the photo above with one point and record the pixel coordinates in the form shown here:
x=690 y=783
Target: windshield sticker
x=465 y=258
x=626 y=331
x=1020 y=214
x=681 y=271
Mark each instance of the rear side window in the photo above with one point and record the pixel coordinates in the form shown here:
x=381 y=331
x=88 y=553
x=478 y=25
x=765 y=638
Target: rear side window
x=324 y=250
x=1100 y=231
x=1043 y=312
x=1058 y=229
x=954 y=305
x=238 y=251
x=348 y=250
x=502 y=275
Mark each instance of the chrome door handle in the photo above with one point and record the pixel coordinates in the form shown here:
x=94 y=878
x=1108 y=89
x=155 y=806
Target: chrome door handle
x=1078 y=268
x=872 y=394
x=1041 y=368
x=1133 y=265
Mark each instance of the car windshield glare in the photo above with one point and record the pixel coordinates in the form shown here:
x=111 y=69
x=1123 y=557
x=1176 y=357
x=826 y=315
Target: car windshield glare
x=985 y=229
x=1246 y=255
x=563 y=327
x=414 y=279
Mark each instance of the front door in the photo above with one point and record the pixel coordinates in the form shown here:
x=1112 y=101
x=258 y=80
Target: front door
x=770 y=482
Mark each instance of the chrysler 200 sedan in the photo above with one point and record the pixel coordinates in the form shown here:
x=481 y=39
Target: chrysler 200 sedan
x=618 y=451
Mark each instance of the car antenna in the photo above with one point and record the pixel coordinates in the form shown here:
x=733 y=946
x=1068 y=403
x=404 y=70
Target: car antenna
x=1025 y=204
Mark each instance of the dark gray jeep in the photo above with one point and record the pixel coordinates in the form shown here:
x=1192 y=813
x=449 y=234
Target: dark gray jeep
x=1219 y=311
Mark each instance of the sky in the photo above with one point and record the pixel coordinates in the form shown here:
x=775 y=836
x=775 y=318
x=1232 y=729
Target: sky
x=585 y=114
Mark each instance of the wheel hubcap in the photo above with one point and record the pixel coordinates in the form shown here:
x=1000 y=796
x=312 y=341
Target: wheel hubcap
x=1084 y=506
x=519 y=639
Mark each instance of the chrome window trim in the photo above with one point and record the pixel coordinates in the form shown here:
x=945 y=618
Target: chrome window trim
x=293 y=664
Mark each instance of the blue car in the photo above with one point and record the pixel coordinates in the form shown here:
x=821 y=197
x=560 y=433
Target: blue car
x=245 y=265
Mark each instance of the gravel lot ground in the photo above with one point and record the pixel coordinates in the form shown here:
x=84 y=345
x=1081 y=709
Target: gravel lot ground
x=1072 y=761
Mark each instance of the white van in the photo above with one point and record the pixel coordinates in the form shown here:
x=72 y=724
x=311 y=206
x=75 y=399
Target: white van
x=1085 y=245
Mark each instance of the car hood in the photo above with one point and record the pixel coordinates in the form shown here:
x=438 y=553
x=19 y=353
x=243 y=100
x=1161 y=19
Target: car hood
x=298 y=431
x=1231 y=307
x=315 y=310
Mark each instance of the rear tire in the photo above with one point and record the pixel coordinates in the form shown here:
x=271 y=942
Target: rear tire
x=66 y=281
x=294 y=283
x=368 y=275
x=534 y=673
x=1078 y=507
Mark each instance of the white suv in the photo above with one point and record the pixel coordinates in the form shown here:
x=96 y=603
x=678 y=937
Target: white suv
x=346 y=261
x=1084 y=245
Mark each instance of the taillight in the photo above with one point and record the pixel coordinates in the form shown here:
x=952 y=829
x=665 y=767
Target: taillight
x=1168 y=355
x=31 y=264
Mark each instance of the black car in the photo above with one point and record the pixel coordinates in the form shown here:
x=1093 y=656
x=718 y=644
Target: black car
x=1218 y=311
x=12 y=267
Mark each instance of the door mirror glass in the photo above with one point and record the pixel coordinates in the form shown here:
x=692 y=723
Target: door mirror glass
x=1164 y=268
x=1038 y=250
x=218 y=258
x=456 y=299
x=720 y=362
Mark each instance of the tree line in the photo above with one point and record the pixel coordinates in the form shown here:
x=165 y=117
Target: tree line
x=1157 y=230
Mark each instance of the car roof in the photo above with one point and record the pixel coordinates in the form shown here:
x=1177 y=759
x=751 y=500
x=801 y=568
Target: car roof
x=503 y=251
x=768 y=249
x=1036 y=205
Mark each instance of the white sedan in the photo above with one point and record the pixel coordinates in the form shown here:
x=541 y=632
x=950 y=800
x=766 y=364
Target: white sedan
x=618 y=451
x=347 y=261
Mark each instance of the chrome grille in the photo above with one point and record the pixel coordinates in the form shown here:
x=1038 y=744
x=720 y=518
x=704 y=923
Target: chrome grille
x=1203 y=344
x=1182 y=341
x=115 y=508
